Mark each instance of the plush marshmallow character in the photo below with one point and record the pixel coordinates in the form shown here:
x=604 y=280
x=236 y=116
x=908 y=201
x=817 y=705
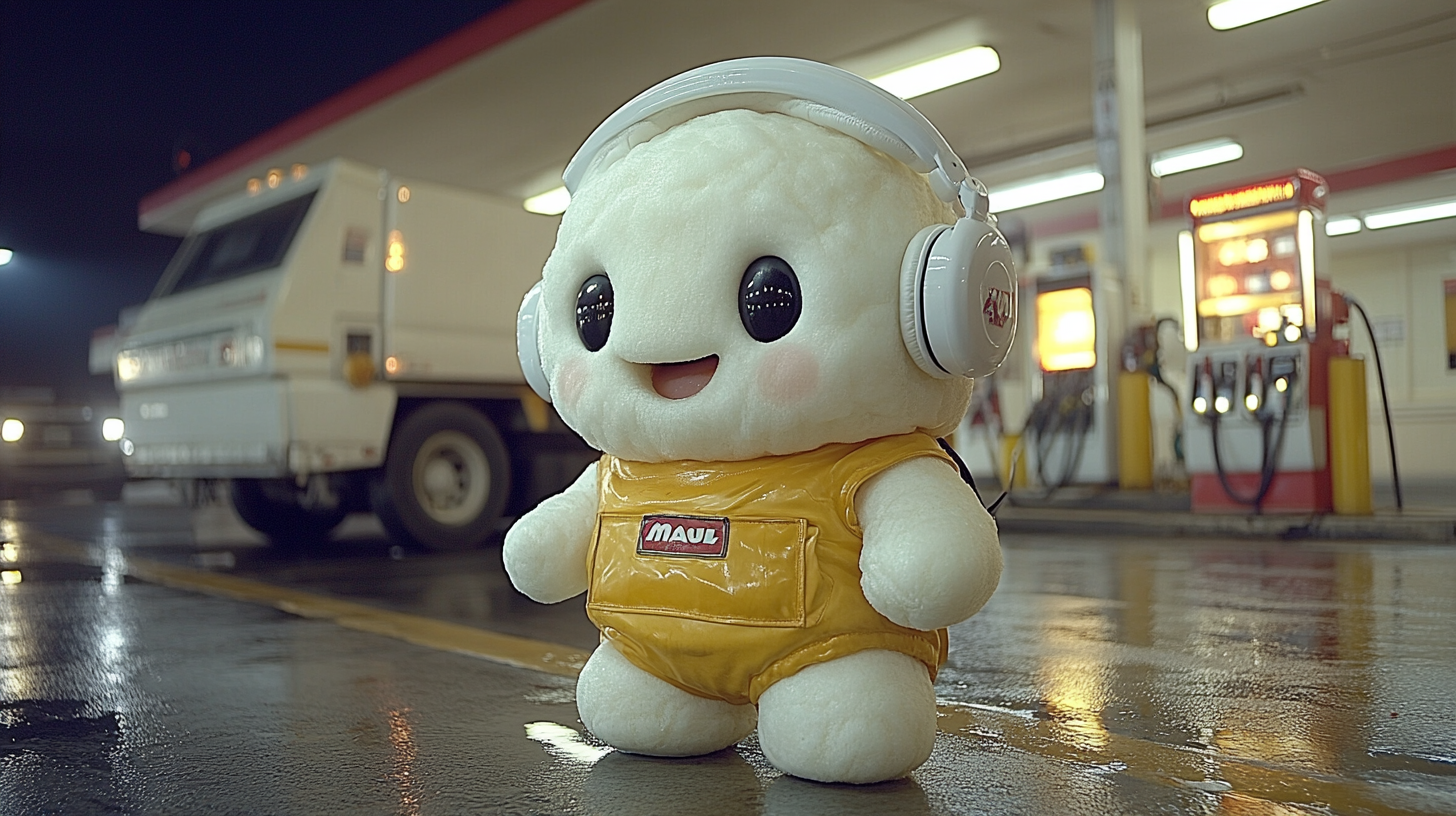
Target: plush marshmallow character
x=773 y=536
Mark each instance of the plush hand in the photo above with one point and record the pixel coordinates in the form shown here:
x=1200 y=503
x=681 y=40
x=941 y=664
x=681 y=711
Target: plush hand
x=931 y=556
x=545 y=550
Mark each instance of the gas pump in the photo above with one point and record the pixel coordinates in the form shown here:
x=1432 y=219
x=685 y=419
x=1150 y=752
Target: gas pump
x=1258 y=320
x=1066 y=435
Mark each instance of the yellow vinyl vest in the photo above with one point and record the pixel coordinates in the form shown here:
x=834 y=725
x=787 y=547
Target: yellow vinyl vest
x=723 y=578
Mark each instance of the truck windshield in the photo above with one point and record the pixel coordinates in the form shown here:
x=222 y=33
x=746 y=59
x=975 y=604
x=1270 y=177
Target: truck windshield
x=251 y=244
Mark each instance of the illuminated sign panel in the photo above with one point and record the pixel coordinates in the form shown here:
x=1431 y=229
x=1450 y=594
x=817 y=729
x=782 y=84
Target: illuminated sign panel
x=1257 y=196
x=1066 y=330
x=1253 y=262
x=1301 y=187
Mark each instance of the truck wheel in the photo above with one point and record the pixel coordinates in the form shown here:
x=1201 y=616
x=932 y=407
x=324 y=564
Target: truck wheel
x=274 y=508
x=445 y=480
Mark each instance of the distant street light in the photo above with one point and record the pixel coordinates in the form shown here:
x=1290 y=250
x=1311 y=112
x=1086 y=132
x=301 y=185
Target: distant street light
x=5 y=256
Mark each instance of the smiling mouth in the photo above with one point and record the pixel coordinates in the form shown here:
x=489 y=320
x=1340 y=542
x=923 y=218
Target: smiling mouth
x=682 y=380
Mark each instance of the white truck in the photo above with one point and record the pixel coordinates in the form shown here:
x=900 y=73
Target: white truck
x=335 y=339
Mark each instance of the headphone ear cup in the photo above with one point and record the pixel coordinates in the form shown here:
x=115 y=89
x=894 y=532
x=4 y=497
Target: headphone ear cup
x=528 y=343
x=912 y=274
x=964 y=300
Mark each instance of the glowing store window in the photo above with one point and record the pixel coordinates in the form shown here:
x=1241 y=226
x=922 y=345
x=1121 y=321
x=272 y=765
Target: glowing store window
x=1066 y=329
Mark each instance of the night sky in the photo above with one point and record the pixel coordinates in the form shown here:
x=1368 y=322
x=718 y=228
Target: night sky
x=97 y=103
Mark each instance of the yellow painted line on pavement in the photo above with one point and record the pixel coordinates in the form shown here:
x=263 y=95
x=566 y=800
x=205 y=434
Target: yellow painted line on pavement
x=1255 y=785
x=436 y=634
x=552 y=658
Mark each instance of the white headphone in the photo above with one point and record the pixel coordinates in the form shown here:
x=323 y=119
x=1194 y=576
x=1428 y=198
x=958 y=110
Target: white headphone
x=957 y=282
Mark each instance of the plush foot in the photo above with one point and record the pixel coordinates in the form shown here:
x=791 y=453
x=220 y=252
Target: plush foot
x=635 y=712
x=864 y=718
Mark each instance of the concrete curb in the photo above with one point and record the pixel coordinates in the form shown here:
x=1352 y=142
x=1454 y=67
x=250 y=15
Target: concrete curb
x=1409 y=526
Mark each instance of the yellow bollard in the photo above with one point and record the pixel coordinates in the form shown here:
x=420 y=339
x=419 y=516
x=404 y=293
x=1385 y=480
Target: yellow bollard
x=1349 y=437
x=1134 y=431
x=537 y=411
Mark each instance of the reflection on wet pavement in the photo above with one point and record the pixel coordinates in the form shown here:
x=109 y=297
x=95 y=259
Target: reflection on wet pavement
x=1105 y=676
x=1310 y=675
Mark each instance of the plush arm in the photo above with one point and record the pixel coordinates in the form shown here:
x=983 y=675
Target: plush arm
x=931 y=555
x=545 y=550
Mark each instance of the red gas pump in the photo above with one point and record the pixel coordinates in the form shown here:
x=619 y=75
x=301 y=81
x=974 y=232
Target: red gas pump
x=1258 y=321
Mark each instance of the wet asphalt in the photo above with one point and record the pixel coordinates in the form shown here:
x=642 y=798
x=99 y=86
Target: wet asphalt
x=1107 y=675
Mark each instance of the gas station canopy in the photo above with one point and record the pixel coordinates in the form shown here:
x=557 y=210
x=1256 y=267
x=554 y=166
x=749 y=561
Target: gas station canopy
x=1359 y=92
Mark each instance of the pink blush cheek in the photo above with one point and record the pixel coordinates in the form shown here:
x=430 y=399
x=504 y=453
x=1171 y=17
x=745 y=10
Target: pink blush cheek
x=570 y=383
x=788 y=375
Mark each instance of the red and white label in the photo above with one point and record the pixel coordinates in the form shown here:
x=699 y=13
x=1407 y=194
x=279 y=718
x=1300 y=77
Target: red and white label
x=997 y=307
x=695 y=536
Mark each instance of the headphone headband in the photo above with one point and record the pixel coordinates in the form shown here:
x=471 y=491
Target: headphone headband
x=822 y=94
x=957 y=283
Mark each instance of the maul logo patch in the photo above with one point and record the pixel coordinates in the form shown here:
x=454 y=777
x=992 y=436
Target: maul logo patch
x=697 y=536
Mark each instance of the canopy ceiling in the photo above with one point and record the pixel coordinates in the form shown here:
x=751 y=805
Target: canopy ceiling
x=1364 y=92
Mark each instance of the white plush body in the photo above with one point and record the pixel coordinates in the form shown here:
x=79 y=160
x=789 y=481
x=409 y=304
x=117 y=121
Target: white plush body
x=674 y=224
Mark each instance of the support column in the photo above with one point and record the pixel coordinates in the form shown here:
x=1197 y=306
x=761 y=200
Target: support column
x=1118 y=122
x=1120 y=286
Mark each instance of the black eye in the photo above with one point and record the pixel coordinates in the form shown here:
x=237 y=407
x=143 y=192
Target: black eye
x=594 y=312
x=768 y=299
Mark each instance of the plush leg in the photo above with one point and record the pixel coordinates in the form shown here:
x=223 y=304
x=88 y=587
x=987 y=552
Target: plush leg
x=635 y=712
x=863 y=718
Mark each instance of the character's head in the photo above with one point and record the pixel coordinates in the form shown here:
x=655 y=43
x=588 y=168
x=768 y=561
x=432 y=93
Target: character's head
x=740 y=279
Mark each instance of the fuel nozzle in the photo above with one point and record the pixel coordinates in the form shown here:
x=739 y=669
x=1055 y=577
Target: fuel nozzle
x=1339 y=322
x=1224 y=382
x=1254 y=385
x=1203 y=388
x=1283 y=370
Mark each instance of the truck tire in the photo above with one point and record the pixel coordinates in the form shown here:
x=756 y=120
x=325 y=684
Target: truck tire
x=445 y=481
x=274 y=508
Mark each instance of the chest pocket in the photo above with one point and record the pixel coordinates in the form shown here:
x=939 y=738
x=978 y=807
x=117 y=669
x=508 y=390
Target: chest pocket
x=762 y=578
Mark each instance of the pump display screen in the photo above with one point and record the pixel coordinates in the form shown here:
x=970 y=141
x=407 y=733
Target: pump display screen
x=1066 y=331
x=1249 y=282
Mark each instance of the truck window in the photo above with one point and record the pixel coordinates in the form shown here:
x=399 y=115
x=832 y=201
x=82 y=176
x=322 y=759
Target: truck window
x=250 y=244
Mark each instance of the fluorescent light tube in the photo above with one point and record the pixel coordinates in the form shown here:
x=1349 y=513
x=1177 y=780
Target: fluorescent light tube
x=1342 y=225
x=1187 y=270
x=1046 y=188
x=1427 y=211
x=551 y=202
x=1235 y=13
x=1305 y=233
x=942 y=72
x=1194 y=156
